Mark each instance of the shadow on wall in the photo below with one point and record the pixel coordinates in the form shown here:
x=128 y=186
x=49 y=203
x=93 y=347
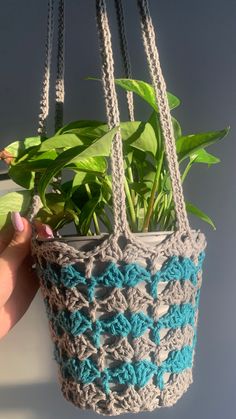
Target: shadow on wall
x=36 y=401
x=44 y=401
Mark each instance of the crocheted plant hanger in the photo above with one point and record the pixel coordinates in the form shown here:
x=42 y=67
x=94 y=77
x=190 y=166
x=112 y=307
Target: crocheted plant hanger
x=123 y=314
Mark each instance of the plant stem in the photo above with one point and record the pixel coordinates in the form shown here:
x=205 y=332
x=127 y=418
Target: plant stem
x=153 y=193
x=144 y=205
x=170 y=197
x=158 y=199
x=105 y=220
x=131 y=205
x=131 y=179
x=160 y=213
x=166 y=206
x=95 y=220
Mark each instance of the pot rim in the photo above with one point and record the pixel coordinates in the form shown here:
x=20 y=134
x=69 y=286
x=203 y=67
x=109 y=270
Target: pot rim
x=76 y=238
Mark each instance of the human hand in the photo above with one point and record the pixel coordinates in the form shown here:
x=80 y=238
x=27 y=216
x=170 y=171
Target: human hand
x=18 y=281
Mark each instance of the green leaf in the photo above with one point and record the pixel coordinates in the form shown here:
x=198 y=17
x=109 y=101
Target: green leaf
x=146 y=92
x=39 y=162
x=22 y=177
x=154 y=120
x=91 y=164
x=87 y=214
x=140 y=188
x=177 y=128
x=18 y=148
x=140 y=134
x=89 y=134
x=166 y=183
x=131 y=130
x=146 y=140
x=136 y=132
x=81 y=178
x=55 y=201
x=56 y=220
x=65 y=187
x=142 y=168
x=200 y=214
x=101 y=147
x=58 y=212
x=77 y=125
x=202 y=156
x=105 y=221
x=13 y=201
x=148 y=176
x=61 y=141
x=188 y=145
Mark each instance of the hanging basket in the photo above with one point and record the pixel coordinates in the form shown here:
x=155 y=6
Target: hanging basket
x=123 y=319
x=123 y=308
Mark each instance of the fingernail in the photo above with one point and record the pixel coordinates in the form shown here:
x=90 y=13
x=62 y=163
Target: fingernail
x=17 y=221
x=44 y=231
x=48 y=231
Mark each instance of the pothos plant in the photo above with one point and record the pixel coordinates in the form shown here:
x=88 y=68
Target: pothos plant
x=80 y=152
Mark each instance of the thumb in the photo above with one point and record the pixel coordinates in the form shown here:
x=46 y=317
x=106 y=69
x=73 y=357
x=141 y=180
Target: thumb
x=19 y=246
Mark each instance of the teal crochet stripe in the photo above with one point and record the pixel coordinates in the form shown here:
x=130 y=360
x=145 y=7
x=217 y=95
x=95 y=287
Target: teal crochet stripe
x=129 y=320
x=177 y=316
x=136 y=373
x=121 y=325
x=175 y=268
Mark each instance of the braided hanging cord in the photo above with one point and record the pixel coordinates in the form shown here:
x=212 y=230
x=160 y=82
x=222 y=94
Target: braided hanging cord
x=124 y=53
x=60 y=89
x=44 y=105
x=111 y=102
x=159 y=85
x=60 y=84
x=44 y=102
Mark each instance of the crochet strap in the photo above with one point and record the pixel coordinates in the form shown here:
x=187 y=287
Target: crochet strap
x=125 y=54
x=59 y=86
x=112 y=110
x=159 y=85
x=113 y=118
x=111 y=102
x=44 y=102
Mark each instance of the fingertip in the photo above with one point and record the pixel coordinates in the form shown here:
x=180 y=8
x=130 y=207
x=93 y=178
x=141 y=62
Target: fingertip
x=44 y=231
x=17 y=222
x=22 y=227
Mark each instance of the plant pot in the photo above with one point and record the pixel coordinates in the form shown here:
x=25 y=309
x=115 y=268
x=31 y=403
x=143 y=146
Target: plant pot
x=124 y=331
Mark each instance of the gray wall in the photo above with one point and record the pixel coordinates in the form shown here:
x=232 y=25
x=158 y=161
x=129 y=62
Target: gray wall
x=198 y=51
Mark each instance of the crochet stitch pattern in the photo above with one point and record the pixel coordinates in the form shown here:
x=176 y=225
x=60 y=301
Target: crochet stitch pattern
x=124 y=328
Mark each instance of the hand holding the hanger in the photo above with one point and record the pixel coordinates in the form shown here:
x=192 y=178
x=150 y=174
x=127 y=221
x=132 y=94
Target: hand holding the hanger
x=18 y=281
